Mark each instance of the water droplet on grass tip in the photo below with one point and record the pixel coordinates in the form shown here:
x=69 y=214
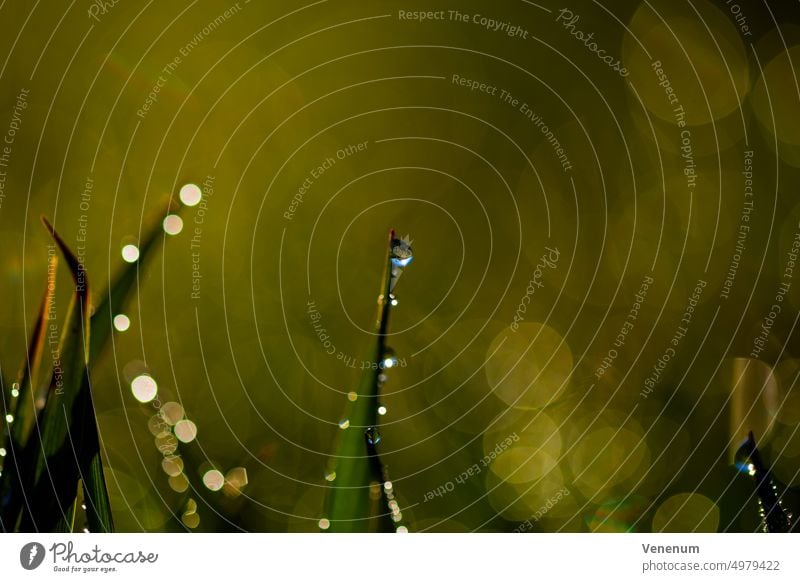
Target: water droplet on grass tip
x=401 y=255
x=401 y=251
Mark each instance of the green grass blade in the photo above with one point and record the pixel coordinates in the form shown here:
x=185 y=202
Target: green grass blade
x=23 y=409
x=66 y=445
x=123 y=284
x=350 y=507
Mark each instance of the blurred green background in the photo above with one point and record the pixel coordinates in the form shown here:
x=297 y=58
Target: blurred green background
x=263 y=94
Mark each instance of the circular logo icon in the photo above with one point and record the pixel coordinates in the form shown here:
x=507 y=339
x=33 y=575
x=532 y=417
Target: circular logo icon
x=31 y=555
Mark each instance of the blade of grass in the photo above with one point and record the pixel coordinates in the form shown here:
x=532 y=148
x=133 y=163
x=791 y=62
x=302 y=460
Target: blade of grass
x=350 y=506
x=23 y=408
x=121 y=287
x=66 y=445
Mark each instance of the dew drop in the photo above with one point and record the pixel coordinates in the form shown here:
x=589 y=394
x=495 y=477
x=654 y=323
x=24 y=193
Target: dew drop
x=402 y=254
x=185 y=430
x=372 y=435
x=214 y=479
x=389 y=360
x=742 y=458
x=173 y=224
x=144 y=388
x=121 y=322
x=130 y=253
x=190 y=194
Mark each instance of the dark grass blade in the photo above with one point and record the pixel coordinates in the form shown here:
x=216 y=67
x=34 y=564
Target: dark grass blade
x=64 y=446
x=123 y=284
x=775 y=518
x=23 y=408
x=350 y=507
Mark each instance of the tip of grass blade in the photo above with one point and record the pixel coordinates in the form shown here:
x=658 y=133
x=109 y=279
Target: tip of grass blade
x=75 y=265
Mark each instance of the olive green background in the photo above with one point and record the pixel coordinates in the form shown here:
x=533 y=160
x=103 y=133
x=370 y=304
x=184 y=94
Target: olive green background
x=274 y=90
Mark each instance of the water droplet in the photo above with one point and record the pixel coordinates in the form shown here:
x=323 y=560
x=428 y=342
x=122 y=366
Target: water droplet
x=144 y=388
x=402 y=529
x=389 y=359
x=381 y=410
x=402 y=254
x=2 y=452
x=130 y=253
x=330 y=475
x=190 y=194
x=237 y=477
x=157 y=426
x=343 y=424
x=373 y=436
x=214 y=479
x=121 y=322
x=324 y=523
x=172 y=413
x=185 y=430
x=178 y=483
x=14 y=390
x=742 y=459
x=352 y=396
x=172 y=465
x=166 y=444
x=382 y=378
x=9 y=418
x=173 y=224
x=191 y=520
x=393 y=300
